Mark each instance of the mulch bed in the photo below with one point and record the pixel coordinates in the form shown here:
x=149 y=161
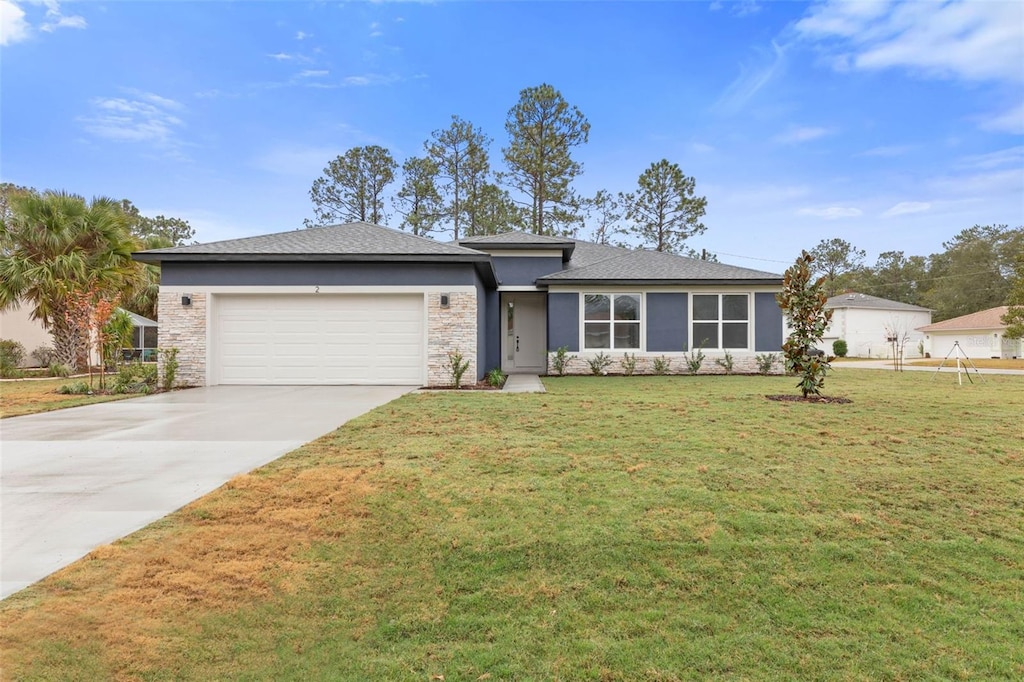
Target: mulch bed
x=480 y=386
x=825 y=399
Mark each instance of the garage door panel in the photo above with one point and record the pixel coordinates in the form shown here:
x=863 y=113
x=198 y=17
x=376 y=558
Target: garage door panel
x=333 y=339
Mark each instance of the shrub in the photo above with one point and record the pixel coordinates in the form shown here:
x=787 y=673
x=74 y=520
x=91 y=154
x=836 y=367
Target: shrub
x=496 y=377
x=765 y=362
x=628 y=363
x=12 y=354
x=170 y=356
x=599 y=364
x=58 y=369
x=77 y=388
x=560 y=362
x=662 y=365
x=920 y=348
x=44 y=356
x=839 y=348
x=694 y=360
x=803 y=302
x=725 y=362
x=135 y=377
x=457 y=366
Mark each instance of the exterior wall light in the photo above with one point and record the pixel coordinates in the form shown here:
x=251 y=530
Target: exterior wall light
x=446 y=300
x=186 y=299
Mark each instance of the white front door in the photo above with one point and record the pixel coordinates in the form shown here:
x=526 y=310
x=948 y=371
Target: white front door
x=524 y=342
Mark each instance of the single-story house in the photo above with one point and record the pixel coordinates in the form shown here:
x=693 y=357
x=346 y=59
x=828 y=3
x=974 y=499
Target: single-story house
x=867 y=323
x=979 y=335
x=17 y=324
x=365 y=304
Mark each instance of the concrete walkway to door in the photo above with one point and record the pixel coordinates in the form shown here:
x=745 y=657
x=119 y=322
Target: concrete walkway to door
x=78 y=478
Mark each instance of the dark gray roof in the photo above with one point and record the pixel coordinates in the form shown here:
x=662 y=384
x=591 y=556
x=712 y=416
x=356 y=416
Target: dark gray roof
x=652 y=267
x=341 y=242
x=516 y=237
x=855 y=300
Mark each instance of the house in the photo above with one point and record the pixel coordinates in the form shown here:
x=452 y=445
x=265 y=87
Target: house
x=867 y=323
x=979 y=335
x=17 y=324
x=366 y=304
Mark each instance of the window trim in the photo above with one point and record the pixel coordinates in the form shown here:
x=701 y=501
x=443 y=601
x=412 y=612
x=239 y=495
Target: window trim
x=642 y=327
x=694 y=343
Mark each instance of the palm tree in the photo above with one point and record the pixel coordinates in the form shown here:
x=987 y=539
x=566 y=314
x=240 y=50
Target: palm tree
x=53 y=248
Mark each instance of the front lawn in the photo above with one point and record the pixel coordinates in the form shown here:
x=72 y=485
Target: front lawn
x=643 y=528
x=29 y=396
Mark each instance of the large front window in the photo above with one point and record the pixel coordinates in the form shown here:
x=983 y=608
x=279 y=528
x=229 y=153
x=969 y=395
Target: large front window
x=611 y=321
x=720 y=321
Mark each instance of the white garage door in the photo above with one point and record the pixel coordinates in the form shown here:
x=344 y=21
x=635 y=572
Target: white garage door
x=319 y=339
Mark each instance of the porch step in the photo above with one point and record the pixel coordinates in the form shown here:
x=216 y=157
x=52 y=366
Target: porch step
x=523 y=383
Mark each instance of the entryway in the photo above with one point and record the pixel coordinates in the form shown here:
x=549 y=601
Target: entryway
x=524 y=333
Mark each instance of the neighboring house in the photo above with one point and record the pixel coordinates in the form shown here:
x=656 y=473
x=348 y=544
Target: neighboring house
x=980 y=335
x=17 y=324
x=365 y=304
x=867 y=323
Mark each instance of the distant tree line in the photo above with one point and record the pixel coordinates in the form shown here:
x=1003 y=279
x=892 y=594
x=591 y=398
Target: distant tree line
x=452 y=187
x=977 y=270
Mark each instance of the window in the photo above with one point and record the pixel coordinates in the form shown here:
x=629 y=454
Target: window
x=611 y=321
x=720 y=321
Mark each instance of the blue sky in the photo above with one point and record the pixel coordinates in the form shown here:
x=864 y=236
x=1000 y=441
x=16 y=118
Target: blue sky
x=893 y=126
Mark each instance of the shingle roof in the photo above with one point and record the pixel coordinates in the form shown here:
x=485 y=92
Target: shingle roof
x=652 y=266
x=855 y=300
x=350 y=239
x=983 y=319
x=516 y=238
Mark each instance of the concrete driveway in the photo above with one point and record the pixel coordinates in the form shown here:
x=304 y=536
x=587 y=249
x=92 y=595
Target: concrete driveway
x=78 y=478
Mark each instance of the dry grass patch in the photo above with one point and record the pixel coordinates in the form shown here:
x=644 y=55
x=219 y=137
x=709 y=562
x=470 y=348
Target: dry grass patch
x=31 y=396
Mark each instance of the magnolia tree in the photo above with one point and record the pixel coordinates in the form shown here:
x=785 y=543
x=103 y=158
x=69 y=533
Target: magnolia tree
x=803 y=303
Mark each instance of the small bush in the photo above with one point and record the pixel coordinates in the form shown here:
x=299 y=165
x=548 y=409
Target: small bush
x=765 y=362
x=599 y=364
x=662 y=365
x=628 y=363
x=135 y=378
x=694 y=360
x=496 y=377
x=725 y=362
x=839 y=348
x=170 y=363
x=44 y=356
x=58 y=369
x=457 y=366
x=920 y=348
x=560 y=362
x=12 y=354
x=77 y=388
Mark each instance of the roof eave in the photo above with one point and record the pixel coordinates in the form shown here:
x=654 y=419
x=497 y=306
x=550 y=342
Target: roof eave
x=566 y=247
x=658 y=282
x=157 y=257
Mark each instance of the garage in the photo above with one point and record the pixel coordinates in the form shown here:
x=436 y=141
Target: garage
x=318 y=339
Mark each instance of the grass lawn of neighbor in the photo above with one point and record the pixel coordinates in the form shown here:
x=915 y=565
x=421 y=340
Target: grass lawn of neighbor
x=29 y=396
x=614 y=528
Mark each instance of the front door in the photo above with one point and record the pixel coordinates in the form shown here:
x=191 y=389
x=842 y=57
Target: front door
x=524 y=342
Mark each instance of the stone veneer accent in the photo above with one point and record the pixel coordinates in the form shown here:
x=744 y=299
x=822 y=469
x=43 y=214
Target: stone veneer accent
x=184 y=328
x=448 y=329
x=742 y=363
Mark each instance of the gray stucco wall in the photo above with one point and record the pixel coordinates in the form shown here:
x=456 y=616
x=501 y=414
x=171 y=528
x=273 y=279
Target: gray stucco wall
x=312 y=273
x=524 y=271
x=767 y=323
x=667 y=328
x=564 y=321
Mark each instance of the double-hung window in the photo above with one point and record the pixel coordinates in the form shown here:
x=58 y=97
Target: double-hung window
x=611 y=321
x=720 y=321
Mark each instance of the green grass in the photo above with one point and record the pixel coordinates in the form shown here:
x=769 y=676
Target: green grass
x=651 y=528
x=32 y=396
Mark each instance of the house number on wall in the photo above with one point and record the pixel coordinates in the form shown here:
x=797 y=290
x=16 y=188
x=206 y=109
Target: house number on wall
x=317 y=289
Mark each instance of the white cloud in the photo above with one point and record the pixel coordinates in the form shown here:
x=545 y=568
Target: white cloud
x=313 y=73
x=1011 y=121
x=887 y=152
x=753 y=77
x=64 y=22
x=701 y=147
x=831 y=212
x=369 y=79
x=141 y=117
x=800 y=134
x=375 y=31
x=963 y=39
x=13 y=26
x=906 y=208
x=302 y=35
x=1011 y=156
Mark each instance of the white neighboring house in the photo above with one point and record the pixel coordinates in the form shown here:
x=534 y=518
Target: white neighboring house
x=865 y=323
x=980 y=335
